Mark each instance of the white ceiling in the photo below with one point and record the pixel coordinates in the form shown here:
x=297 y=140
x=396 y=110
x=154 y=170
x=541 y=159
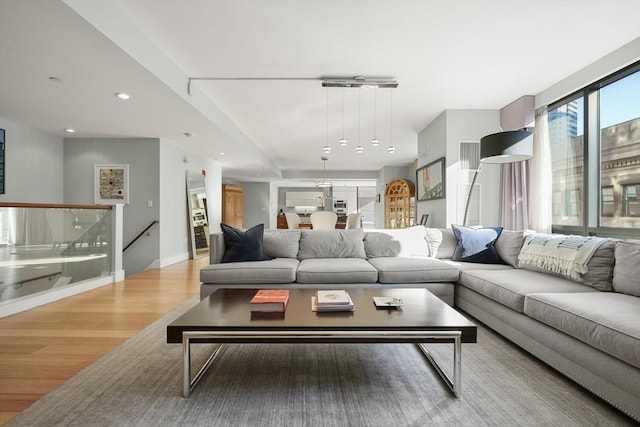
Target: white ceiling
x=444 y=54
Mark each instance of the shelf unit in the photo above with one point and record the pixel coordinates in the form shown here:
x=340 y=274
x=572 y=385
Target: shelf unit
x=400 y=204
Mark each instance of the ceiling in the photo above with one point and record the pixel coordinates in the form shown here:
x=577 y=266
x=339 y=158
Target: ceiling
x=444 y=54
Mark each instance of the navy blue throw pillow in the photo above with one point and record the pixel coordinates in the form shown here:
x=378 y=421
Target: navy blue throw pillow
x=243 y=245
x=476 y=244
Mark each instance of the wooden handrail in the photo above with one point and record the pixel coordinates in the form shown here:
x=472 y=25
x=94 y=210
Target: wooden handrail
x=141 y=233
x=22 y=282
x=53 y=205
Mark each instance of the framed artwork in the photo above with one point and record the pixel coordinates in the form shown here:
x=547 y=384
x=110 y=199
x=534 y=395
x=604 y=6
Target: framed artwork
x=430 y=181
x=111 y=184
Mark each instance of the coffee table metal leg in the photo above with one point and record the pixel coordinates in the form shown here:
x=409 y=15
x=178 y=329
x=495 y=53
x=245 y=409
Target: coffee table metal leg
x=189 y=384
x=455 y=383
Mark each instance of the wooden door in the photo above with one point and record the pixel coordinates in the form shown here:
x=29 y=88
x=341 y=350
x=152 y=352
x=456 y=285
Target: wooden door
x=232 y=205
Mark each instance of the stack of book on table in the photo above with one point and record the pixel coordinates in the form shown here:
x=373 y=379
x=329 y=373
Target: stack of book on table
x=270 y=301
x=332 y=301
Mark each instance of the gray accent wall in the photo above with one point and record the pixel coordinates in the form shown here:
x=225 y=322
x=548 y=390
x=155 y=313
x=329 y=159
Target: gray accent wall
x=431 y=146
x=33 y=165
x=143 y=157
x=256 y=204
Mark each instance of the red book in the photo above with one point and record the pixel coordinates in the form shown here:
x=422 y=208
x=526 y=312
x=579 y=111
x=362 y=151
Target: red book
x=270 y=300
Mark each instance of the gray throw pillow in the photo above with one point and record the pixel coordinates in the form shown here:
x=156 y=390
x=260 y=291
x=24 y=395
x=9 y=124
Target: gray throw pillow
x=377 y=244
x=626 y=271
x=509 y=244
x=448 y=245
x=332 y=244
x=281 y=243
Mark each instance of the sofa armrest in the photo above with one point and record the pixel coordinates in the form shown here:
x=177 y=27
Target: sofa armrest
x=217 y=248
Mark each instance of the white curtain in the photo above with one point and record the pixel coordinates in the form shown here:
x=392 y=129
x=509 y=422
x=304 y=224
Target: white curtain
x=515 y=186
x=540 y=189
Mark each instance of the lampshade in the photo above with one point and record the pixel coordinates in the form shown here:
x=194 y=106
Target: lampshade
x=506 y=147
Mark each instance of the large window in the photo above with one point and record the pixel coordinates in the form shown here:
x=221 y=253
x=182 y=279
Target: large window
x=595 y=149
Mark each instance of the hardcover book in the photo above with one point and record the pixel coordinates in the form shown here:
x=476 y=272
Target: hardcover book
x=331 y=301
x=332 y=298
x=270 y=300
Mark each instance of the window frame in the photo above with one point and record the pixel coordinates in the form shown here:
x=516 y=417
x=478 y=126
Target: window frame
x=592 y=193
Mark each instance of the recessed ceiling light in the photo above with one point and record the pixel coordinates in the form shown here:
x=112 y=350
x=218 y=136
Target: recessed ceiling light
x=221 y=153
x=69 y=130
x=123 y=96
x=188 y=135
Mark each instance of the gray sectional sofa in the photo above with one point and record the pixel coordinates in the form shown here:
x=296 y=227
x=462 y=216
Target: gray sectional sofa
x=586 y=326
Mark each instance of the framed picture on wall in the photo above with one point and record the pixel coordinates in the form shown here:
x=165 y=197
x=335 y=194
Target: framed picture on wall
x=430 y=181
x=111 y=184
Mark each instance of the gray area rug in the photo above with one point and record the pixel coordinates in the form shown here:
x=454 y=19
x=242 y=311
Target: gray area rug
x=140 y=384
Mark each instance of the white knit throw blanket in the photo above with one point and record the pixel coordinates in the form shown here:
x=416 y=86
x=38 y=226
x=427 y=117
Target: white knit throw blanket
x=565 y=255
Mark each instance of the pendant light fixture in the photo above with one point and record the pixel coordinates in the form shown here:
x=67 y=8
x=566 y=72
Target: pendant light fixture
x=343 y=140
x=326 y=149
x=359 y=148
x=325 y=183
x=391 y=148
x=375 y=141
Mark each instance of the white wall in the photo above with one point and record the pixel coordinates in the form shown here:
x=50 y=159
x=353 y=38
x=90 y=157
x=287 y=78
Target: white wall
x=442 y=138
x=471 y=125
x=174 y=221
x=33 y=165
x=619 y=58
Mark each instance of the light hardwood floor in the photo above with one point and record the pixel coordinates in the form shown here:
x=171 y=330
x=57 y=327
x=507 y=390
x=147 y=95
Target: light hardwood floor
x=43 y=347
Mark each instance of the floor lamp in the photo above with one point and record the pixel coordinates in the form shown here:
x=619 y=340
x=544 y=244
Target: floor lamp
x=502 y=147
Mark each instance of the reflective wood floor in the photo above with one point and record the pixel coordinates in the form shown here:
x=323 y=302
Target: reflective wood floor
x=43 y=347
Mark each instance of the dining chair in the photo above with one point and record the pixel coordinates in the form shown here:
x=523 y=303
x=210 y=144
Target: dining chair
x=353 y=220
x=324 y=220
x=293 y=219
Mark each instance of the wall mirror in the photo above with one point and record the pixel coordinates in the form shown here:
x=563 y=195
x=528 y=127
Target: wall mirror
x=197 y=213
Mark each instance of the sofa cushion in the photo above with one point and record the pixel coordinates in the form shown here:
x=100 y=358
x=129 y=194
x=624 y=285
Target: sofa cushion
x=243 y=245
x=332 y=244
x=403 y=242
x=279 y=270
x=605 y=320
x=413 y=270
x=509 y=287
x=626 y=270
x=476 y=244
x=463 y=266
x=336 y=270
x=281 y=243
x=599 y=273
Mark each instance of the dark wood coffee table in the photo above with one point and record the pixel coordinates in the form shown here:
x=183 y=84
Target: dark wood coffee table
x=225 y=317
